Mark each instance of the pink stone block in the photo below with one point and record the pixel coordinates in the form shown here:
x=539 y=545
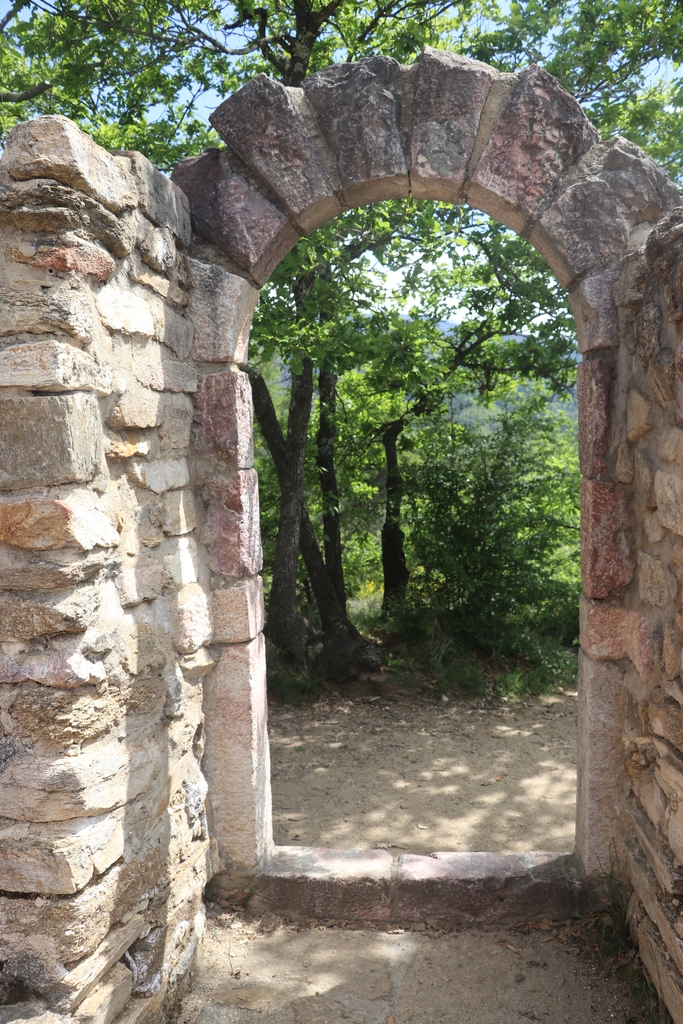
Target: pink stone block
x=238 y=612
x=607 y=561
x=232 y=527
x=593 y=382
x=223 y=414
x=611 y=633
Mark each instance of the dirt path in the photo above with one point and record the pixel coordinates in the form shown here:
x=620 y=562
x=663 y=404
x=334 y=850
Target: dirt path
x=328 y=976
x=418 y=777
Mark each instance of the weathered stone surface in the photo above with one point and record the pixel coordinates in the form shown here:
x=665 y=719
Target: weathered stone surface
x=61 y=310
x=166 y=375
x=180 y=515
x=540 y=133
x=63 y=670
x=223 y=413
x=197 y=664
x=593 y=382
x=194 y=619
x=360 y=108
x=60 y=569
x=41 y=524
x=237 y=760
x=176 y=423
x=71 y=255
x=595 y=312
x=644 y=481
x=645 y=885
x=655 y=848
x=663 y=974
x=637 y=414
x=669 y=498
x=109 y=998
x=666 y=718
x=180 y=559
x=654 y=584
x=612 y=633
x=137 y=407
x=178 y=333
x=24 y=616
x=231 y=528
x=607 y=562
x=158 y=197
x=221 y=308
x=77 y=985
x=52 y=366
x=160 y=475
x=615 y=188
x=140 y=582
x=450 y=92
x=623 y=470
x=54 y=147
x=238 y=612
x=126 y=311
x=261 y=123
x=670 y=447
x=158 y=251
x=58 y=858
x=664 y=254
x=229 y=211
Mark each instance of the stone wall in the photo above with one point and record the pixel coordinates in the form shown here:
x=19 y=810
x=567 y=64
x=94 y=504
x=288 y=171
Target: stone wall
x=112 y=538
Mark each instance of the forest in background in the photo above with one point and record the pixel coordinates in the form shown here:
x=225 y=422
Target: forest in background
x=412 y=363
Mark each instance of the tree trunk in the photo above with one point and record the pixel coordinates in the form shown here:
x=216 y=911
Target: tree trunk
x=288 y=630
x=327 y=474
x=394 y=566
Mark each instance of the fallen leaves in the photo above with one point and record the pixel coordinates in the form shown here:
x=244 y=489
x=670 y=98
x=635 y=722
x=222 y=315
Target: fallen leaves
x=508 y=945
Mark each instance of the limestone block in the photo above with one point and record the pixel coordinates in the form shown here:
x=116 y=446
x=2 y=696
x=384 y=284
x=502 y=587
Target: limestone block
x=180 y=515
x=63 y=670
x=60 y=310
x=670 y=447
x=664 y=976
x=160 y=475
x=176 y=423
x=74 y=989
x=223 y=414
x=166 y=374
x=49 y=440
x=607 y=562
x=194 y=619
x=645 y=885
x=666 y=718
x=108 y=999
x=42 y=524
x=648 y=330
x=595 y=312
x=177 y=332
x=58 y=858
x=52 y=366
x=238 y=612
x=599 y=761
x=664 y=253
x=197 y=664
x=54 y=147
x=163 y=202
x=229 y=211
x=10 y=671
x=653 y=581
x=611 y=633
x=73 y=254
x=138 y=406
x=221 y=308
x=29 y=615
x=180 y=556
x=360 y=107
x=669 y=498
x=158 y=251
x=614 y=188
x=236 y=758
x=637 y=413
x=593 y=381
x=140 y=582
x=624 y=467
x=261 y=123
x=129 y=312
x=232 y=528
x=644 y=481
x=540 y=133
x=450 y=92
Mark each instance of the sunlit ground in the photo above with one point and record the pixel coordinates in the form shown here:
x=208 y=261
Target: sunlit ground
x=419 y=778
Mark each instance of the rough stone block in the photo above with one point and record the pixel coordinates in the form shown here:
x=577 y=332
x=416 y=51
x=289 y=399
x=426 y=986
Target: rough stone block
x=670 y=447
x=232 y=525
x=109 y=998
x=49 y=440
x=54 y=147
x=180 y=560
x=645 y=885
x=62 y=670
x=83 y=979
x=58 y=858
x=450 y=92
x=72 y=254
x=140 y=582
x=177 y=333
x=159 y=475
x=52 y=366
x=197 y=664
x=669 y=498
x=180 y=516
x=607 y=562
x=163 y=202
x=612 y=633
x=229 y=211
x=595 y=312
x=158 y=251
x=223 y=413
x=161 y=374
x=35 y=571
x=360 y=108
x=236 y=758
x=655 y=848
x=598 y=762
x=126 y=311
x=25 y=616
x=664 y=253
x=666 y=718
x=176 y=423
x=221 y=308
x=657 y=586
x=42 y=524
x=593 y=382
x=262 y=124
x=194 y=619
x=61 y=310
x=137 y=407
x=238 y=612
x=637 y=413
x=540 y=133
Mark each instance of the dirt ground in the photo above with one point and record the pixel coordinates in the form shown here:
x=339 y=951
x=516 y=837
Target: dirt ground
x=409 y=775
x=331 y=976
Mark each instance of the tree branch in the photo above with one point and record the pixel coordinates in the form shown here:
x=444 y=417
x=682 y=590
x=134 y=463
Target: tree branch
x=10 y=96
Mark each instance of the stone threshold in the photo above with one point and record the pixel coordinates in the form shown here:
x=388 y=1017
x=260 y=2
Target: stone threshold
x=443 y=890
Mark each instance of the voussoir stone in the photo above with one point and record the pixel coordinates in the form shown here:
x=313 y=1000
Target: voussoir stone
x=540 y=133
x=361 y=110
x=229 y=211
x=221 y=309
x=49 y=440
x=223 y=414
x=593 y=382
x=261 y=123
x=607 y=560
x=54 y=147
x=231 y=527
